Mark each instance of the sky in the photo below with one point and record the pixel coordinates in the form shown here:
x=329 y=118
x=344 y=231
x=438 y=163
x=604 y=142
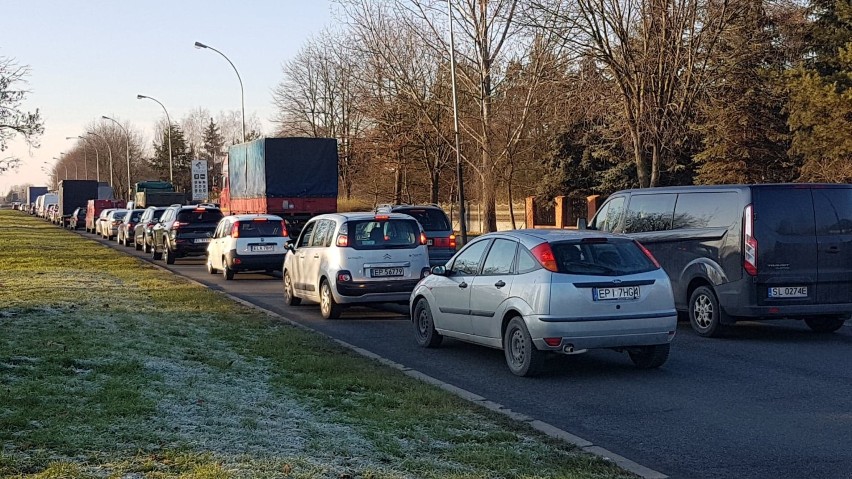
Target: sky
x=91 y=58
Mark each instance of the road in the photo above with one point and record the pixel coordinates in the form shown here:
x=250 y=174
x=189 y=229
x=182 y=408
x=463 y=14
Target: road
x=770 y=400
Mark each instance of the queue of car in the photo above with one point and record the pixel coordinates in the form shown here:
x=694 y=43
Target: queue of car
x=537 y=292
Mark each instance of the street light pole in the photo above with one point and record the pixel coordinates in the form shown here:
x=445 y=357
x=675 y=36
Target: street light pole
x=127 y=138
x=462 y=223
x=85 y=159
x=97 y=161
x=109 y=150
x=169 y=131
x=242 y=92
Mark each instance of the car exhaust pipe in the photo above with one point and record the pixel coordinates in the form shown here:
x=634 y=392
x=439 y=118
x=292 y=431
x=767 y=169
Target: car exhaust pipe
x=569 y=349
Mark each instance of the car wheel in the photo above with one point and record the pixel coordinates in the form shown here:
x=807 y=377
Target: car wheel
x=121 y=239
x=824 y=324
x=210 y=268
x=522 y=357
x=146 y=247
x=650 y=357
x=424 y=326
x=154 y=253
x=328 y=308
x=168 y=254
x=227 y=272
x=705 y=315
x=290 y=298
x=137 y=246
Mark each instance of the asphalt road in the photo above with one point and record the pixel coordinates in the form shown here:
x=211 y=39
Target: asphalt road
x=770 y=400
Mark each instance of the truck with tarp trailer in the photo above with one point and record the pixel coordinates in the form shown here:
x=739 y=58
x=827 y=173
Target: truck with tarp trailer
x=157 y=193
x=295 y=178
x=74 y=194
x=33 y=192
x=94 y=208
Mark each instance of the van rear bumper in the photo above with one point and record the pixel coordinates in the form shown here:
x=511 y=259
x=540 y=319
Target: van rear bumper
x=781 y=311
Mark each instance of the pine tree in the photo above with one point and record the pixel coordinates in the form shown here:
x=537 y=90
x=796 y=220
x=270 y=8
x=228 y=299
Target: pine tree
x=181 y=158
x=212 y=151
x=821 y=96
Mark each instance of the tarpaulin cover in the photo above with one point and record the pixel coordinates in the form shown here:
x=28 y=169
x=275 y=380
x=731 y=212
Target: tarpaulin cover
x=34 y=192
x=283 y=167
x=75 y=194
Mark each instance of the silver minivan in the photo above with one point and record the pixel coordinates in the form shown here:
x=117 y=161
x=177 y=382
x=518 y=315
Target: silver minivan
x=355 y=258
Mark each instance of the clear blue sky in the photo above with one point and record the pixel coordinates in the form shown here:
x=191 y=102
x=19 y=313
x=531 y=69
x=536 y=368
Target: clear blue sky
x=91 y=58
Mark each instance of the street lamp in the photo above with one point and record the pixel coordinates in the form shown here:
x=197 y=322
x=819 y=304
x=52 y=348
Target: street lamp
x=462 y=223
x=169 y=131
x=85 y=158
x=242 y=93
x=97 y=160
x=59 y=160
x=109 y=150
x=127 y=138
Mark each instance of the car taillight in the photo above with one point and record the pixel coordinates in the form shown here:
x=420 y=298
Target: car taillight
x=342 y=240
x=749 y=242
x=176 y=225
x=423 y=239
x=544 y=254
x=235 y=230
x=344 y=276
x=647 y=253
x=284 y=232
x=453 y=241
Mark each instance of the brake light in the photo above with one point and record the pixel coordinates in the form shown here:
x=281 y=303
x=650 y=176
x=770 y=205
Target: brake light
x=423 y=238
x=177 y=224
x=259 y=219
x=199 y=210
x=749 y=242
x=235 y=230
x=544 y=254
x=284 y=229
x=647 y=253
x=344 y=276
x=453 y=241
x=382 y=217
x=553 y=342
x=342 y=240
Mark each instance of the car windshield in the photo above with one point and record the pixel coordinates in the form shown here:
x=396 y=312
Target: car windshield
x=384 y=234
x=119 y=215
x=201 y=215
x=601 y=256
x=430 y=219
x=258 y=228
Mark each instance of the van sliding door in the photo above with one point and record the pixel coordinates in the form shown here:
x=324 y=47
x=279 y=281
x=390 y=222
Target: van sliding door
x=833 y=207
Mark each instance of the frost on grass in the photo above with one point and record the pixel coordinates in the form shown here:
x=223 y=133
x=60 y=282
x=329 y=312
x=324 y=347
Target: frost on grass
x=213 y=399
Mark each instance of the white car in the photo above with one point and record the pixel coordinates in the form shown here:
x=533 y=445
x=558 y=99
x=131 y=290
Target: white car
x=252 y=242
x=355 y=258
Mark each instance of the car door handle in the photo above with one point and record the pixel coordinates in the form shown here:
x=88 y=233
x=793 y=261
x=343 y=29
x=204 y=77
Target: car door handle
x=462 y=285
x=499 y=284
x=832 y=249
x=316 y=256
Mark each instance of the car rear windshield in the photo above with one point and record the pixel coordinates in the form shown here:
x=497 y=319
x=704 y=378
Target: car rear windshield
x=604 y=257
x=119 y=215
x=257 y=229
x=384 y=234
x=430 y=219
x=199 y=216
x=134 y=217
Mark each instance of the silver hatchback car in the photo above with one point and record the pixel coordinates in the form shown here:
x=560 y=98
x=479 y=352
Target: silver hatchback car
x=355 y=258
x=533 y=292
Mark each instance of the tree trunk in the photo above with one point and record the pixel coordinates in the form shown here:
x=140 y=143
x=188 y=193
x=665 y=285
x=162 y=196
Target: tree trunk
x=642 y=173
x=434 y=185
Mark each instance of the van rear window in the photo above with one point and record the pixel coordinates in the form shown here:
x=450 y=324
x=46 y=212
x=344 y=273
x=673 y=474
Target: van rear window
x=614 y=257
x=784 y=211
x=203 y=215
x=430 y=219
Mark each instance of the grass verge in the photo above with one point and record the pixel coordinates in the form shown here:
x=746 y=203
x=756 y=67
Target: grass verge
x=110 y=367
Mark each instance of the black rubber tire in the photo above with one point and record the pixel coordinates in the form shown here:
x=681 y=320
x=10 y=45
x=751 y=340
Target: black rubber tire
x=328 y=308
x=522 y=357
x=825 y=324
x=424 y=326
x=146 y=247
x=154 y=253
x=168 y=255
x=290 y=298
x=136 y=245
x=650 y=357
x=227 y=272
x=705 y=314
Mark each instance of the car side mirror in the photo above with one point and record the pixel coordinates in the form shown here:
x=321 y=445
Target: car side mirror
x=439 y=270
x=582 y=224
x=289 y=247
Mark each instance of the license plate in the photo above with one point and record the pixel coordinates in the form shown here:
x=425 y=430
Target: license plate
x=201 y=240
x=788 y=292
x=386 y=272
x=614 y=293
x=262 y=247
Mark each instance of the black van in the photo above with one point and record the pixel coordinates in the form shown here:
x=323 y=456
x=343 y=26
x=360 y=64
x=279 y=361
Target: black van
x=745 y=251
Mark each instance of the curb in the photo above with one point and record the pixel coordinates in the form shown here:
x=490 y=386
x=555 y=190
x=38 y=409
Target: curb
x=540 y=426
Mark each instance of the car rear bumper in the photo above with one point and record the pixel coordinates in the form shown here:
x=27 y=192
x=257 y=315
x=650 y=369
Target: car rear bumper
x=781 y=311
x=613 y=332
x=440 y=257
x=375 y=291
x=187 y=248
x=253 y=262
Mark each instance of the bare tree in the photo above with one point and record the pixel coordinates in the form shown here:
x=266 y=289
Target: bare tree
x=13 y=120
x=657 y=52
